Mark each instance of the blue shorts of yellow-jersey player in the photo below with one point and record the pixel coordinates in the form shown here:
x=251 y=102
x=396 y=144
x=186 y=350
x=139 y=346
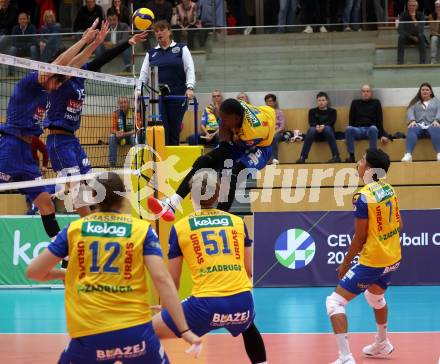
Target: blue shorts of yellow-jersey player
x=67 y=155
x=134 y=345
x=17 y=164
x=204 y=314
x=254 y=157
x=359 y=277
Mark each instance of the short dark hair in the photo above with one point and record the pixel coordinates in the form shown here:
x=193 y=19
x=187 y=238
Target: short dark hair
x=270 y=96
x=232 y=107
x=377 y=158
x=112 y=183
x=322 y=94
x=111 y=12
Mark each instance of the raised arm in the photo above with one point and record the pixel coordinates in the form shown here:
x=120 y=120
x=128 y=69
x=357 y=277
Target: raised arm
x=79 y=60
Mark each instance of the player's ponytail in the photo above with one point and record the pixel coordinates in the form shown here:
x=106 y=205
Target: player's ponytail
x=114 y=191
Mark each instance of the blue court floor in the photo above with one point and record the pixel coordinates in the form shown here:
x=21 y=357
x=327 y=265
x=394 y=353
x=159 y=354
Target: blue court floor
x=279 y=310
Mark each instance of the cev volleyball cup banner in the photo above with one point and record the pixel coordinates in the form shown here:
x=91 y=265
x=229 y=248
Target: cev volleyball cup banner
x=302 y=249
x=22 y=238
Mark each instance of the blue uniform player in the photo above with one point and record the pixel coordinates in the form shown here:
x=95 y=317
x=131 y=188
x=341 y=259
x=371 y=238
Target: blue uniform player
x=26 y=111
x=63 y=118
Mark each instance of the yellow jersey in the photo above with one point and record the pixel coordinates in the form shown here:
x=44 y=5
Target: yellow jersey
x=106 y=279
x=212 y=242
x=258 y=126
x=209 y=120
x=377 y=202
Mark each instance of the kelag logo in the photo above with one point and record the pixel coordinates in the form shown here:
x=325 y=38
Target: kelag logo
x=295 y=248
x=209 y=222
x=104 y=229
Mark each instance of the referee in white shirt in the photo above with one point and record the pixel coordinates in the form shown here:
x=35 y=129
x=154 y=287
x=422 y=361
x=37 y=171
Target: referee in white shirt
x=176 y=69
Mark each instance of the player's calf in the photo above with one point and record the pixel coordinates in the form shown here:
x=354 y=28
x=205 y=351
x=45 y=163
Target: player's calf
x=254 y=344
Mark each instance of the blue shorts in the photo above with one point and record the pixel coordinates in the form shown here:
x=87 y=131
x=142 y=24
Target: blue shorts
x=204 y=314
x=254 y=157
x=67 y=155
x=359 y=277
x=17 y=164
x=134 y=345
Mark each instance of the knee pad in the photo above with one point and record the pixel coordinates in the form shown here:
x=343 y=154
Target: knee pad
x=335 y=304
x=377 y=301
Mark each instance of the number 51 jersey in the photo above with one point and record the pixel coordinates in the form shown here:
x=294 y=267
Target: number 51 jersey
x=212 y=242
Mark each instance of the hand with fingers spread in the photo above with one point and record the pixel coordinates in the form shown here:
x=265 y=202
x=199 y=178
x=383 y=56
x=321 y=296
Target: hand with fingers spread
x=102 y=33
x=139 y=37
x=90 y=34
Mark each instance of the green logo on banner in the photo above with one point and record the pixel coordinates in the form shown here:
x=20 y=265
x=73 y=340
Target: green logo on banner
x=209 y=221
x=22 y=239
x=106 y=229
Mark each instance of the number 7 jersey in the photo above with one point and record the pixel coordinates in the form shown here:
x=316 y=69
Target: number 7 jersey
x=106 y=279
x=377 y=202
x=212 y=242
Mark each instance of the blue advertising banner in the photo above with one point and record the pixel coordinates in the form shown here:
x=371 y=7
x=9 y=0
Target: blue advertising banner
x=295 y=249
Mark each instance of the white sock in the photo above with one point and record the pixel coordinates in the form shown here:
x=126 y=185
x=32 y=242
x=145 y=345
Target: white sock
x=343 y=346
x=175 y=201
x=382 y=332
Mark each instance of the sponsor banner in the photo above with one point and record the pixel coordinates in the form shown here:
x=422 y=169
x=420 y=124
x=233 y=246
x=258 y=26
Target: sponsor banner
x=22 y=238
x=304 y=248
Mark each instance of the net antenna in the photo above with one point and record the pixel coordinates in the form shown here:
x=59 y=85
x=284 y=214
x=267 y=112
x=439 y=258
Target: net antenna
x=148 y=109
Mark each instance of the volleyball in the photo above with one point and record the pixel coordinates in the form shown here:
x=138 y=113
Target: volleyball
x=143 y=18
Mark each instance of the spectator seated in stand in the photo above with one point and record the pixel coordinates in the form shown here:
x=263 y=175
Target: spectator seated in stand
x=411 y=28
x=366 y=122
x=210 y=122
x=423 y=121
x=243 y=97
x=435 y=32
x=186 y=20
x=27 y=45
x=271 y=100
x=162 y=9
x=50 y=40
x=121 y=11
x=8 y=18
x=87 y=15
x=118 y=33
x=322 y=120
x=123 y=129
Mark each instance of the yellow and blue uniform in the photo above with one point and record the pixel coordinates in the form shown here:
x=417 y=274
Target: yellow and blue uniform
x=26 y=110
x=254 y=139
x=106 y=298
x=209 y=120
x=381 y=253
x=212 y=242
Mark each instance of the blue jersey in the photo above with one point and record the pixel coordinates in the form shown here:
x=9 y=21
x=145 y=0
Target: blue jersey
x=66 y=105
x=170 y=67
x=26 y=108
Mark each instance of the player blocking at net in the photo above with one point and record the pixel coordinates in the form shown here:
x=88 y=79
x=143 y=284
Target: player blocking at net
x=106 y=290
x=26 y=110
x=63 y=119
x=216 y=246
x=377 y=241
x=246 y=133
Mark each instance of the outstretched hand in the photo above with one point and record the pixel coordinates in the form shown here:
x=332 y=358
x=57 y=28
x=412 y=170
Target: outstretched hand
x=90 y=34
x=195 y=341
x=102 y=33
x=139 y=37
